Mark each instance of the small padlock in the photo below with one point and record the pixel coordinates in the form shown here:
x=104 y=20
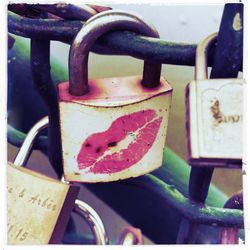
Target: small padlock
x=38 y=207
x=214 y=112
x=112 y=128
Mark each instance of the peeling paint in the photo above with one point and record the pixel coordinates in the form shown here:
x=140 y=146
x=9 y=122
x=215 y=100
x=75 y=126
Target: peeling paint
x=237 y=22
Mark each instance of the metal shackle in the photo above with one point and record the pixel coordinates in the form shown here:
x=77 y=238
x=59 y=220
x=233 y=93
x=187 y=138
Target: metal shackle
x=93 y=220
x=94 y=28
x=26 y=148
x=201 y=57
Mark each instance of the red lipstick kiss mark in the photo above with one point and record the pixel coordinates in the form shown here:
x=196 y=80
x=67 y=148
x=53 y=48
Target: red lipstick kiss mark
x=145 y=124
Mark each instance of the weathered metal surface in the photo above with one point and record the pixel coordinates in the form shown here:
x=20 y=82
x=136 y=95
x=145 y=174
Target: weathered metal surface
x=229 y=49
x=215 y=123
x=114 y=43
x=214 y=116
x=40 y=68
x=105 y=133
x=41 y=200
x=200 y=214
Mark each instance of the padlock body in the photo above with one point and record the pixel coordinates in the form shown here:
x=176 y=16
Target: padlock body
x=214 y=118
x=116 y=131
x=38 y=207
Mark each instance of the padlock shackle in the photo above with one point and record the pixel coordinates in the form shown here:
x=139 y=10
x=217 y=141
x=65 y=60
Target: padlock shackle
x=25 y=150
x=94 y=28
x=201 y=57
x=94 y=221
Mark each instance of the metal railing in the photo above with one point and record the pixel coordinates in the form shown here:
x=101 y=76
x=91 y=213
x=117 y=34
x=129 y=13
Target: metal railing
x=43 y=23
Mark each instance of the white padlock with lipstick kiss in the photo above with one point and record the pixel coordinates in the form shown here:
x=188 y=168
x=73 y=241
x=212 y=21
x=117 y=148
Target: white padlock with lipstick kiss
x=112 y=128
x=214 y=116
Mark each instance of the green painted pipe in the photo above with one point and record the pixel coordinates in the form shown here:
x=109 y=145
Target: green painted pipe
x=175 y=167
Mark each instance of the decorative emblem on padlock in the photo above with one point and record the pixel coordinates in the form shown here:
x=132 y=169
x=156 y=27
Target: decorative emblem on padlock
x=214 y=112
x=38 y=207
x=112 y=128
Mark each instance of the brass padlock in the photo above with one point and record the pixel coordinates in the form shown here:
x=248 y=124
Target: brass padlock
x=112 y=128
x=214 y=113
x=38 y=207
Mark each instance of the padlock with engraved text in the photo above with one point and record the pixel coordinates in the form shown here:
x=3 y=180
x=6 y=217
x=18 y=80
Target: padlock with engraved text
x=112 y=128
x=38 y=206
x=214 y=111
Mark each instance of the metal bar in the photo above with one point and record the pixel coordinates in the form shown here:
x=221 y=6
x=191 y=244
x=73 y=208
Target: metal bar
x=114 y=43
x=200 y=214
x=59 y=30
x=231 y=235
x=62 y=10
x=67 y=11
x=40 y=67
x=16 y=138
x=229 y=51
x=192 y=211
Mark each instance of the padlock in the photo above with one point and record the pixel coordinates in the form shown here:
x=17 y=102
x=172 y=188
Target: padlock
x=38 y=207
x=112 y=128
x=214 y=113
x=45 y=203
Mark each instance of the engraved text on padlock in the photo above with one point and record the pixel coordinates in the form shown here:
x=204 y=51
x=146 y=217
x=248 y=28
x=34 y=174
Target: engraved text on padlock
x=38 y=207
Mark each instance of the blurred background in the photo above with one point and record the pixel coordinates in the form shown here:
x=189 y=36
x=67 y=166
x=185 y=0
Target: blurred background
x=177 y=23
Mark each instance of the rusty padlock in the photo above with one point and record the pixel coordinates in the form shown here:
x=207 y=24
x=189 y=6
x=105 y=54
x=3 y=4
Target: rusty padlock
x=214 y=111
x=112 y=128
